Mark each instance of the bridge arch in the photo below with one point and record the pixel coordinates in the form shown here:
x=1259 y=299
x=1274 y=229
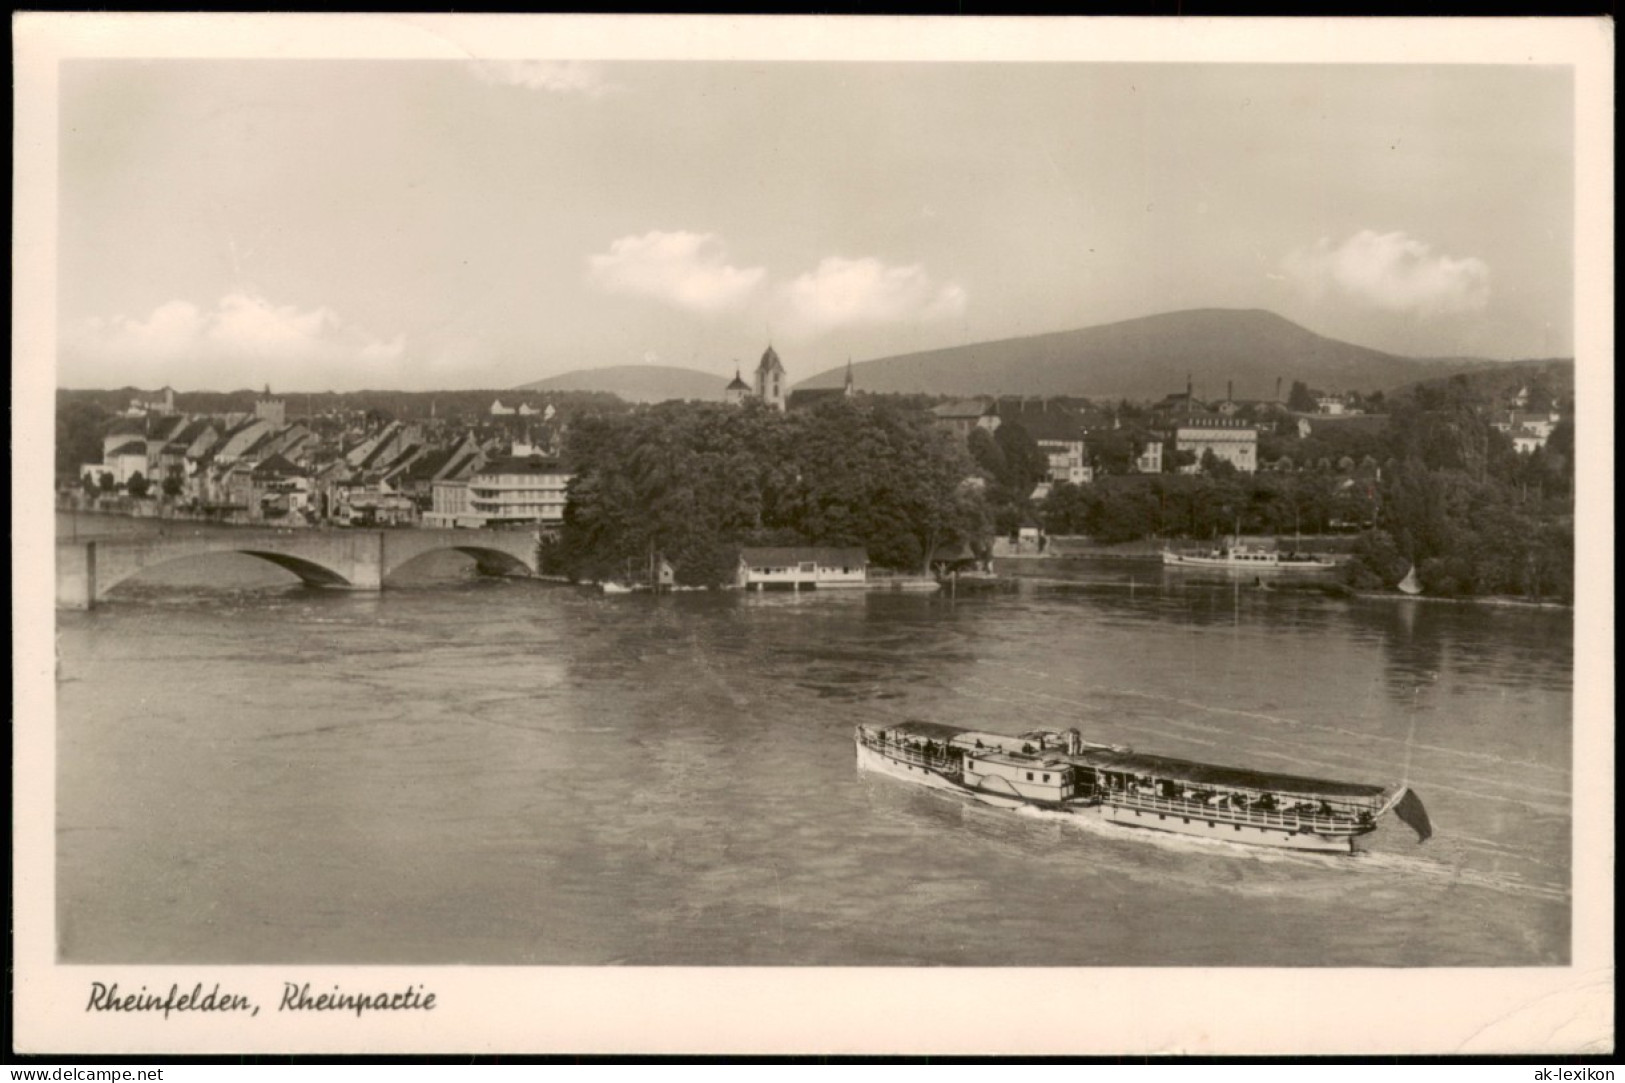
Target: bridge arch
x=487 y=561
x=494 y=561
x=310 y=572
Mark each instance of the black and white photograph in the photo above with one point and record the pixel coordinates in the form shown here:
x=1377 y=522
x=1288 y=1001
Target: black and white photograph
x=1046 y=536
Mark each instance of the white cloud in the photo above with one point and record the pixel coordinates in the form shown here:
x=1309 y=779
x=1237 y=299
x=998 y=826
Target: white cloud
x=242 y=338
x=554 y=76
x=1391 y=271
x=843 y=292
x=685 y=270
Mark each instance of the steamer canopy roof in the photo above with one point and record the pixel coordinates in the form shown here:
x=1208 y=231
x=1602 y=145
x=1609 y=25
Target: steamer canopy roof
x=1237 y=778
x=930 y=731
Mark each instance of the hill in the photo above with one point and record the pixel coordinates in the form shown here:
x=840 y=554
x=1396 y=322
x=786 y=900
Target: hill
x=638 y=383
x=1146 y=358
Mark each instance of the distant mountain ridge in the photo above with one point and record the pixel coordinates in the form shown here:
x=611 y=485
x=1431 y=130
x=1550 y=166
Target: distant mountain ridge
x=638 y=383
x=1148 y=357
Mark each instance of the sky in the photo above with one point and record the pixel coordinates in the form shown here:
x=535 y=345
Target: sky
x=346 y=224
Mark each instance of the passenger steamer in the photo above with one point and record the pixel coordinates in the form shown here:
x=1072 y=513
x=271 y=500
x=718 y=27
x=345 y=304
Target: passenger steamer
x=1249 y=559
x=1061 y=772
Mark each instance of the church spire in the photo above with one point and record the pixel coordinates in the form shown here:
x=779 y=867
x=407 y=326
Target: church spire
x=771 y=379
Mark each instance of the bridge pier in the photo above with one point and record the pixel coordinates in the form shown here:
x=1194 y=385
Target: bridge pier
x=361 y=556
x=76 y=576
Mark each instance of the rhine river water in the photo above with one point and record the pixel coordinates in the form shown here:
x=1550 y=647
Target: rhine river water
x=501 y=772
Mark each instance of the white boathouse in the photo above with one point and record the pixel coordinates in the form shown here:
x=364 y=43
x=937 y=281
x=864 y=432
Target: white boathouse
x=803 y=568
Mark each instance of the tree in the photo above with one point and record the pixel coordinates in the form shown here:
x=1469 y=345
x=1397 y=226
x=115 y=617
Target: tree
x=1215 y=467
x=105 y=482
x=173 y=484
x=1065 y=510
x=1115 y=451
x=1300 y=399
x=1375 y=562
x=79 y=427
x=137 y=485
x=1025 y=463
x=1175 y=459
x=987 y=453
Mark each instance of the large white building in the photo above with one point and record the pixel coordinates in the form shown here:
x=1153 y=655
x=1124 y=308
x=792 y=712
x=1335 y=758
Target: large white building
x=518 y=489
x=1231 y=440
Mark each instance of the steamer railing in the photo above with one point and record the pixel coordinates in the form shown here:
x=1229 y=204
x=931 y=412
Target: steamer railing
x=1318 y=822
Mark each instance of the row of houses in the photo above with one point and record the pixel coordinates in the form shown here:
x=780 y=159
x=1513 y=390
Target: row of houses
x=257 y=467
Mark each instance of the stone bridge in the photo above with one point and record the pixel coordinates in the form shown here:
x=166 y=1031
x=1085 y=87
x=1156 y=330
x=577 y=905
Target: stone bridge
x=348 y=559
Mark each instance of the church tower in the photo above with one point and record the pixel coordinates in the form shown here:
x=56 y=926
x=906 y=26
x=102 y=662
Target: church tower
x=737 y=391
x=770 y=380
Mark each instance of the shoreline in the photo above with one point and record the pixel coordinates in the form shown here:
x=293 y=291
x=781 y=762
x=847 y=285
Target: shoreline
x=1487 y=599
x=1300 y=586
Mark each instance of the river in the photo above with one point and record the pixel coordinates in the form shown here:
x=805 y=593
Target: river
x=513 y=772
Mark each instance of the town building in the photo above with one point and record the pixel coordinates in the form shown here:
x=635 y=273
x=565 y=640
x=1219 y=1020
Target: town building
x=1058 y=432
x=444 y=466
x=159 y=403
x=1177 y=405
x=966 y=415
x=240 y=438
x=366 y=506
x=273 y=410
x=1231 y=440
x=805 y=398
x=1537 y=423
x=803 y=568
x=1150 y=459
x=120 y=463
x=737 y=391
x=121 y=432
x=450 y=506
x=771 y=381
x=516 y=490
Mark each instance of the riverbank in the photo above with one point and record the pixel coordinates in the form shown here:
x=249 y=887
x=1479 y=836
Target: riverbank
x=1488 y=599
x=1072 y=545
x=1036 y=566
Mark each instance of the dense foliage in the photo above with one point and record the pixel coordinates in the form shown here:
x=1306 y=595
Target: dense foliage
x=1012 y=465
x=1433 y=485
x=694 y=482
x=1120 y=509
x=79 y=428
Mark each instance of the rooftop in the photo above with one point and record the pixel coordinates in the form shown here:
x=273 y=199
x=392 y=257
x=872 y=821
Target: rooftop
x=824 y=555
x=521 y=464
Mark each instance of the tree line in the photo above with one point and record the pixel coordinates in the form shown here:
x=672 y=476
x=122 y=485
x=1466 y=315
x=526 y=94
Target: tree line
x=1437 y=488
x=693 y=483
